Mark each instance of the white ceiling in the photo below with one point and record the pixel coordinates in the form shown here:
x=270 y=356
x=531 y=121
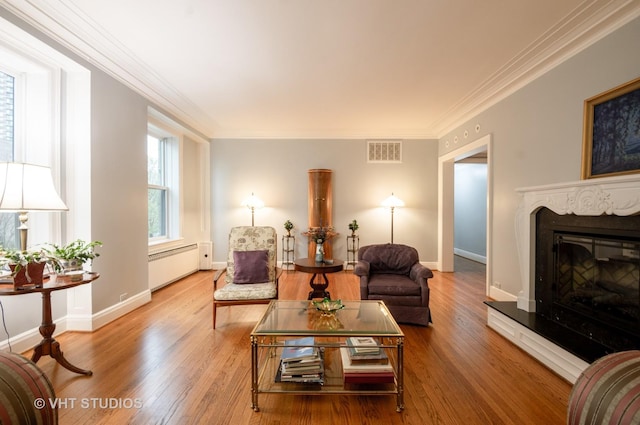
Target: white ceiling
x=325 y=68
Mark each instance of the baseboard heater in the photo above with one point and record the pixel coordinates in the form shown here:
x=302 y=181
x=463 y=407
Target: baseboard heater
x=170 y=265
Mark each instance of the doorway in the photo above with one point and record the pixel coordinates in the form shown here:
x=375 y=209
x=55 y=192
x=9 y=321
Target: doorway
x=446 y=192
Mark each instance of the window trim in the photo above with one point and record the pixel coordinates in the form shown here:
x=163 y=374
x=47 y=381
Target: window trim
x=172 y=139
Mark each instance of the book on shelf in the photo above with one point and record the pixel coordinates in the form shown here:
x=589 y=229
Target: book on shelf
x=303 y=378
x=299 y=349
x=370 y=378
x=301 y=362
x=350 y=367
x=361 y=345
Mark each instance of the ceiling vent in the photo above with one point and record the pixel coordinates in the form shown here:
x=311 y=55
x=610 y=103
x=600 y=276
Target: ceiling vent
x=384 y=151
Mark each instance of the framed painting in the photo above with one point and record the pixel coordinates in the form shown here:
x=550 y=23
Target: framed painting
x=611 y=136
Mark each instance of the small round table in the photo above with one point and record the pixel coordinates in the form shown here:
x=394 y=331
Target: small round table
x=319 y=288
x=49 y=346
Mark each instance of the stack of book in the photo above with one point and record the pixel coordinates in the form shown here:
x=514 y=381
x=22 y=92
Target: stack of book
x=301 y=361
x=365 y=362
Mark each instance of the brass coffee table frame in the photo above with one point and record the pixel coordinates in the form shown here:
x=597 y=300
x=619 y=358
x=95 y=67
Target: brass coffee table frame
x=284 y=320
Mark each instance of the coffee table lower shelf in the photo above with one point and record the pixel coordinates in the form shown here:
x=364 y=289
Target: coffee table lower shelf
x=266 y=362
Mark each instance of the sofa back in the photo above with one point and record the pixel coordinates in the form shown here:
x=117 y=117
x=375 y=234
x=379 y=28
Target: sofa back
x=389 y=258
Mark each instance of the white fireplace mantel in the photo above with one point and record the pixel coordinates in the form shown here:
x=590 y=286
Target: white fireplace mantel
x=612 y=196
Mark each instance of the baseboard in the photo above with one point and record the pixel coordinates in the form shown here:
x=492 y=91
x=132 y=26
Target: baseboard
x=30 y=338
x=95 y=321
x=470 y=255
x=500 y=295
x=83 y=323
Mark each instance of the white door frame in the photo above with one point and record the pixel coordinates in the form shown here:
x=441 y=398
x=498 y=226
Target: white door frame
x=445 y=203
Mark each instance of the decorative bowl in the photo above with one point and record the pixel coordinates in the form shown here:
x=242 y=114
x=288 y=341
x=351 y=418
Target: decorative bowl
x=327 y=306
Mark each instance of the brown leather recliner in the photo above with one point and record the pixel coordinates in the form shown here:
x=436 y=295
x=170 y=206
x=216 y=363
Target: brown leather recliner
x=392 y=273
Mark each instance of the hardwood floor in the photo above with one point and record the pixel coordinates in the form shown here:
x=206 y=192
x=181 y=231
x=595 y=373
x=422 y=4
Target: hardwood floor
x=164 y=364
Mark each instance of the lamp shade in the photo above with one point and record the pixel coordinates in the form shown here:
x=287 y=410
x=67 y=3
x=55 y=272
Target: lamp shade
x=392 y=202
x=253 y=202
x=28 y=187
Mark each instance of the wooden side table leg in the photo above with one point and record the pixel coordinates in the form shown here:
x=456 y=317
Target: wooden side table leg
x=49 y=346
x=319 y=289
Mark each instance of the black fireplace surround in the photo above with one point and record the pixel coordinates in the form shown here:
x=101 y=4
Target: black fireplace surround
x=587 y=277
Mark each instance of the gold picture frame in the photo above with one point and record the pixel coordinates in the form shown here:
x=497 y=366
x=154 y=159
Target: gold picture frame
x=611 y=133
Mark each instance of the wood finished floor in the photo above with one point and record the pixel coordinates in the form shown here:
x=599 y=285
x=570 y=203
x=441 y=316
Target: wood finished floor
x=166 y=356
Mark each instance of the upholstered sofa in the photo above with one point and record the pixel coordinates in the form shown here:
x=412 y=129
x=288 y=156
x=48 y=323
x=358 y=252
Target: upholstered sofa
x=392 y=273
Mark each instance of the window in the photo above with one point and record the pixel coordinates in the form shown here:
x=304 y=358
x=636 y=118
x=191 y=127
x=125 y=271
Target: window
x=9 y=222
x=158 y=191
x=163 y=185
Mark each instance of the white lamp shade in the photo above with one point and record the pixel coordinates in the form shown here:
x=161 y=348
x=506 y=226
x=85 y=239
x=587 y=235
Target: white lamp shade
x=28 y=187
x=392 y=202
x=253 y=202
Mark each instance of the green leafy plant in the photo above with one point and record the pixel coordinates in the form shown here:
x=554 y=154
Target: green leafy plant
x=19 y=259
x=74 y=254
x=288 y=225
x=353 y=226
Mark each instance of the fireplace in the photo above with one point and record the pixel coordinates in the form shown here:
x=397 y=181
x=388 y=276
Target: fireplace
x=587 y=272
x=578 y=245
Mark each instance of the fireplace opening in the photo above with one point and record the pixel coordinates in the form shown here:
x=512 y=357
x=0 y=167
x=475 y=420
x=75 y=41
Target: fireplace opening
x=588 y=276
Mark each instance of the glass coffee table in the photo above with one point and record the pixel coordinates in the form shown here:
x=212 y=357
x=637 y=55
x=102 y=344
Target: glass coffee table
x=285 y=321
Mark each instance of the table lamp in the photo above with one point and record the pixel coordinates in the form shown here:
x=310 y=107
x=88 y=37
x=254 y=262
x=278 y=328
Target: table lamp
x=253 y=203
x=27 y=187
x=392 y=202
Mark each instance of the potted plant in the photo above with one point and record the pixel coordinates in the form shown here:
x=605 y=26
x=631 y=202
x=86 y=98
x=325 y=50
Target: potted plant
x=71 y=257
x=353 y=226
x=27 y=267
x=288 y=225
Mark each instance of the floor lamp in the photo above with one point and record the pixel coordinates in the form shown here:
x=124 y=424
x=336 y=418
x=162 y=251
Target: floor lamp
x=27 y=187
x=253 y=203
x=392 y=202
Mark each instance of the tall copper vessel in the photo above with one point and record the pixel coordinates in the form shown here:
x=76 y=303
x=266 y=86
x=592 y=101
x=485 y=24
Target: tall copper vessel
x=320 y=201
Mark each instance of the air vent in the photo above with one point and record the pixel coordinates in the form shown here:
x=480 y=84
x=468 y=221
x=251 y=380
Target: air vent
x=384 y=151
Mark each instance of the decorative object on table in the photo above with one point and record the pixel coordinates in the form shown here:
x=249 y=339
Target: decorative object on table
x=27 y=187
x=393 y=273
x=611 y=141
x=253 y=203
x=23 y=385
x=328 y=307
x=353 y=226
x=73 y=256
x=27 y=267
x=392 y=202
x=319 y=252
x=319 y=235
x=288 y=226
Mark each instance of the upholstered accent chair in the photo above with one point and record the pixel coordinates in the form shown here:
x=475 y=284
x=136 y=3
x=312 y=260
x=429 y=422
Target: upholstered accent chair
x=251 y=275
x=392 y=273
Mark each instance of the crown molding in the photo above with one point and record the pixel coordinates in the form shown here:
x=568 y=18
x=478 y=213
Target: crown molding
x=588 y=23
x=63 y=22
x=66 y=24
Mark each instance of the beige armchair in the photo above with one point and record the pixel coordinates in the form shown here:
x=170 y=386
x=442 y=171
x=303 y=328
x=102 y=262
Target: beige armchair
x=251 y=275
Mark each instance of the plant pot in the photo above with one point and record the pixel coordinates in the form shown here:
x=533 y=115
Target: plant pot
x=71 y=265
x=29 y=276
